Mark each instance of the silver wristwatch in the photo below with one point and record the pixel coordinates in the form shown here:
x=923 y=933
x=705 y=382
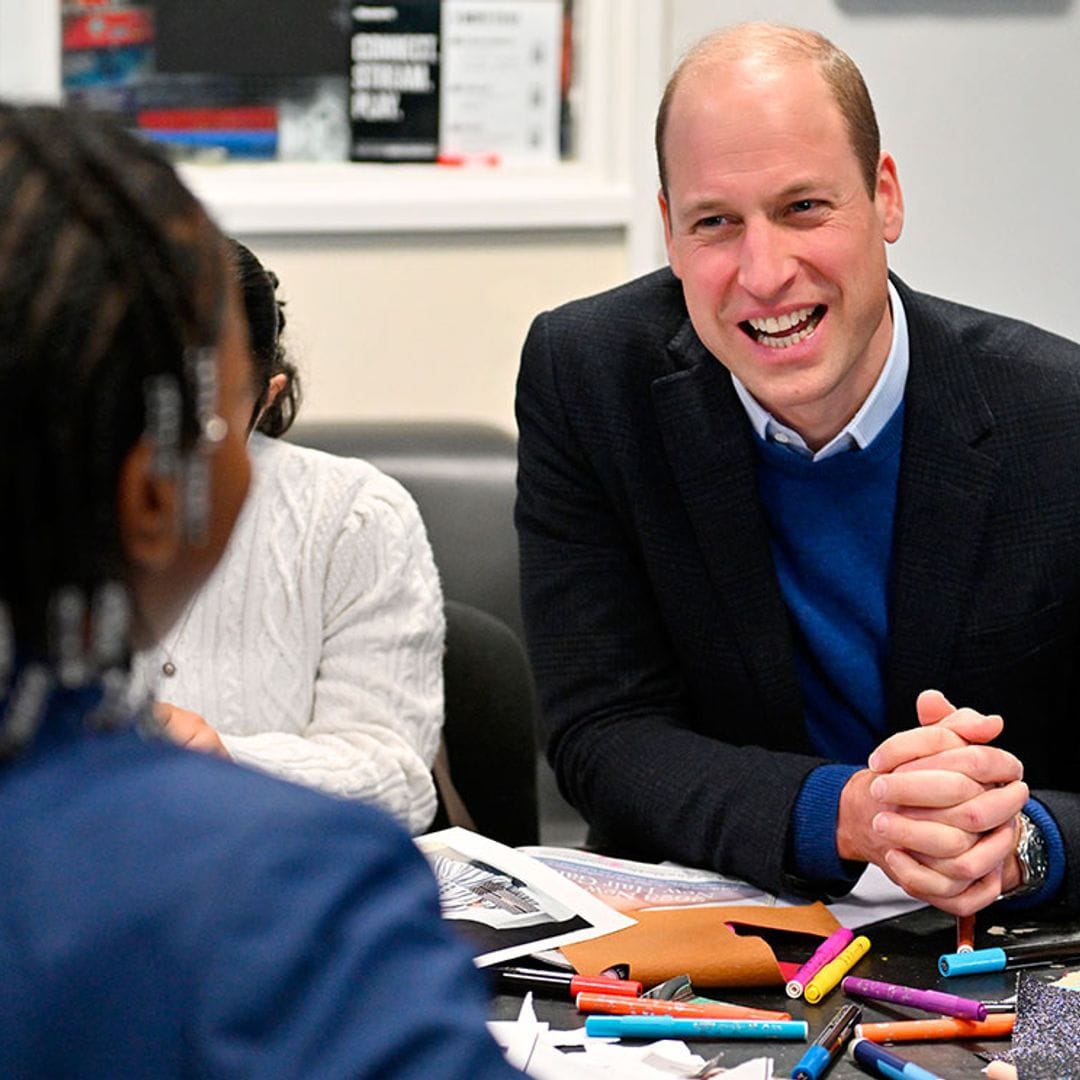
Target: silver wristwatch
x=1032 y=856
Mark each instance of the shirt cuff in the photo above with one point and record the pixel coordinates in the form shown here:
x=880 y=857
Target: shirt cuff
x=1044 y=821
x=812 y=835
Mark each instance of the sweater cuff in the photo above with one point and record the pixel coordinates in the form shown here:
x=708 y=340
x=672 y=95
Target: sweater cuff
x=812 y=833
x=1043 y=820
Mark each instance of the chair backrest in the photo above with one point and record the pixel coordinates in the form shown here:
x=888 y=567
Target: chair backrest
x=490 y=725
x=462 y=476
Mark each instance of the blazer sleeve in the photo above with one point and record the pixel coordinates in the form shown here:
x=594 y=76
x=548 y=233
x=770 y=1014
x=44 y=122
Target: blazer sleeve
x=651 y=770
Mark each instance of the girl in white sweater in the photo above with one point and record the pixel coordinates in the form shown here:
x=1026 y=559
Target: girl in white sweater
x=315 y=650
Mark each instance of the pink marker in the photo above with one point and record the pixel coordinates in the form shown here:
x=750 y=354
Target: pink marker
x=828 y=950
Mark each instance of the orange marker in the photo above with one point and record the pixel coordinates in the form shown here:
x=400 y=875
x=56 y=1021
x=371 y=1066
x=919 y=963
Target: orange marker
x=965 y=933
x=995 y=1026
x=590 y=1002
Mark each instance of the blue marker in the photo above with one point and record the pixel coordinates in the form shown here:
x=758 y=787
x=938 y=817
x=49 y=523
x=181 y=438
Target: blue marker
x=1012 y=956
x=881 y=1063
x=681 y=1027
x=828 y=1045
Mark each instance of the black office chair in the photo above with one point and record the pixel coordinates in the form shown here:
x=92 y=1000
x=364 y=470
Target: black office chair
x=488 y=728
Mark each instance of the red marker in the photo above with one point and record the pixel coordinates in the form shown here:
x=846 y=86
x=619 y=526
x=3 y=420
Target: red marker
x=644 y=1006
x=563 y=983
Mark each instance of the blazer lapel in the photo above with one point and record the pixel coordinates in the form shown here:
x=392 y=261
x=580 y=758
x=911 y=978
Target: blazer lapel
x=709 y=447
x=945 y=491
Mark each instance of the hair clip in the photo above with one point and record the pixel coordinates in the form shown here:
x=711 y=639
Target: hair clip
x=202 y=370
x=163 y=417
x=25 y=708
x=68 y=625
x=111 y=712
x=109 y=622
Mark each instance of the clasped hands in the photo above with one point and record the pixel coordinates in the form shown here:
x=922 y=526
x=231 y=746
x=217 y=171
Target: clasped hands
x=937 y=809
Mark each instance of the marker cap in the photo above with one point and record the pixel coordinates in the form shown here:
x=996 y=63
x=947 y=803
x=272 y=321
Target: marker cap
x=812 y=1064
x=972 y=963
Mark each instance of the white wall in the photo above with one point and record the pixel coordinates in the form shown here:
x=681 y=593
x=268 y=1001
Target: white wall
x=977 y=102
x=426 y=325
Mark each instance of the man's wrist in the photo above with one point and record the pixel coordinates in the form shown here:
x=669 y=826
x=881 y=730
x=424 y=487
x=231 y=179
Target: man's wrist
x=1027 y=868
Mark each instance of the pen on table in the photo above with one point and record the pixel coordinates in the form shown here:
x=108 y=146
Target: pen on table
x=1010 y=956
x=642 y=1006
x=880 y=1062
x=828 y=1045
x=674 y=1027
x=997 y=1026
x=831 y=974
x=558 y=982
x=930 y=1000
x=828 y=950
x=965 y=933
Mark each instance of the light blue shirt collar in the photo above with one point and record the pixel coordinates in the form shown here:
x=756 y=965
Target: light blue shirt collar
x=874 y=413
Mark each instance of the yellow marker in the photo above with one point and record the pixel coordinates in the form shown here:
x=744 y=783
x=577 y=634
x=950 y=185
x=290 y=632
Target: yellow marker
x=831 y=974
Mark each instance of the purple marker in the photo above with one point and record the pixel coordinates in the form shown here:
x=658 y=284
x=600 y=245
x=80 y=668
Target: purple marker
x=931 y=1000
x=828 y=950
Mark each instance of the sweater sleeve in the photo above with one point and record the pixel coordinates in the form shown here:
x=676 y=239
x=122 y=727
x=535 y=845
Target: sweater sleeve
x=377 y=704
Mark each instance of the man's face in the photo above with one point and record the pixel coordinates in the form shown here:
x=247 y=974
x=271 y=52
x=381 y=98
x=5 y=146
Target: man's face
x=779 y=247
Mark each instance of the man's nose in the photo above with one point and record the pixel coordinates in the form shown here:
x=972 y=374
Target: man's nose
x=767 y=265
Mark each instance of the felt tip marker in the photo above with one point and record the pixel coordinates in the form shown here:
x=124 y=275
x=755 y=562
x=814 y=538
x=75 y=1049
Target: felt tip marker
x=828 y=950
x=828 y=1046
x=965 y=933
x=931 y=1000
x=830 y=975
x=1011 y=956
x=562 y=983
x=881 y=1063
x=999 y=1026
x=674 y=1027
x=645 y=1006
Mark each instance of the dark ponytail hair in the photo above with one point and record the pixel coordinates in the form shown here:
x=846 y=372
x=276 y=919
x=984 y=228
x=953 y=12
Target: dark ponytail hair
x=266 y=322
x=110 y=274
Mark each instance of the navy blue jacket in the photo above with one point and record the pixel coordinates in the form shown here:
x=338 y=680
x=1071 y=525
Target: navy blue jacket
x=167 y=914
x=659 y=638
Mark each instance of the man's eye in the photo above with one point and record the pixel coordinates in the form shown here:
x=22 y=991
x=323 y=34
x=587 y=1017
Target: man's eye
x=804 y=205
x=714 y=221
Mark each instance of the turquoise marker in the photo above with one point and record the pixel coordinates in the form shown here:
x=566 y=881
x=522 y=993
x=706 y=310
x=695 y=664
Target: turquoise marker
x=681 y=1027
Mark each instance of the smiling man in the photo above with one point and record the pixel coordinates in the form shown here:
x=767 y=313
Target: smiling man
x=771 y=499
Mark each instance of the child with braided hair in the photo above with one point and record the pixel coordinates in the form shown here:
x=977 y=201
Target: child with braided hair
x=164 y=913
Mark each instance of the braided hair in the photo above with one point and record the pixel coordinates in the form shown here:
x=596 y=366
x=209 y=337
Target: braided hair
x=266 y=321
x=110 y=272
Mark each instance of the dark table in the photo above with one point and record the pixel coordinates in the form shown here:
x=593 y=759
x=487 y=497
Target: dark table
x=903 y=950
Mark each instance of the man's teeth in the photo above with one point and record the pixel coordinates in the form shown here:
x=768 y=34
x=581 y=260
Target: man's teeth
x=780 y=324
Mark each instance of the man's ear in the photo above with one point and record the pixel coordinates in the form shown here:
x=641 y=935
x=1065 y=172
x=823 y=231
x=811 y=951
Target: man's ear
x=665 y=215
x=148 y=510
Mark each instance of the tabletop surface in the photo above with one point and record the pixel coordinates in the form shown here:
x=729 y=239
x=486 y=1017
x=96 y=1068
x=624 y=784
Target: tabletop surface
x=903 y=950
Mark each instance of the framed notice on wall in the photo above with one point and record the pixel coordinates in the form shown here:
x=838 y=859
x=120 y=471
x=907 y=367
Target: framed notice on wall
x=500 y=95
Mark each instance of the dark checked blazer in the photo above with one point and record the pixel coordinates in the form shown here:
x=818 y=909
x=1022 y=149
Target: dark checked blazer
x=660 y=642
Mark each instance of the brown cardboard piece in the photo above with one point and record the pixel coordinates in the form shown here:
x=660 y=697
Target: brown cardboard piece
x=698 y=942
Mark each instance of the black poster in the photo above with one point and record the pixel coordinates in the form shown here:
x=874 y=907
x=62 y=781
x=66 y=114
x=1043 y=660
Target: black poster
x=394 y=81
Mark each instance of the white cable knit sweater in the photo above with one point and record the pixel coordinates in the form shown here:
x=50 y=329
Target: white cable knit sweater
x=315 y=649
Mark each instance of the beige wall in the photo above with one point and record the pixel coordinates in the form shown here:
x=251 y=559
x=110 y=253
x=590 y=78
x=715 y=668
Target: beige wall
x=426 y=326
